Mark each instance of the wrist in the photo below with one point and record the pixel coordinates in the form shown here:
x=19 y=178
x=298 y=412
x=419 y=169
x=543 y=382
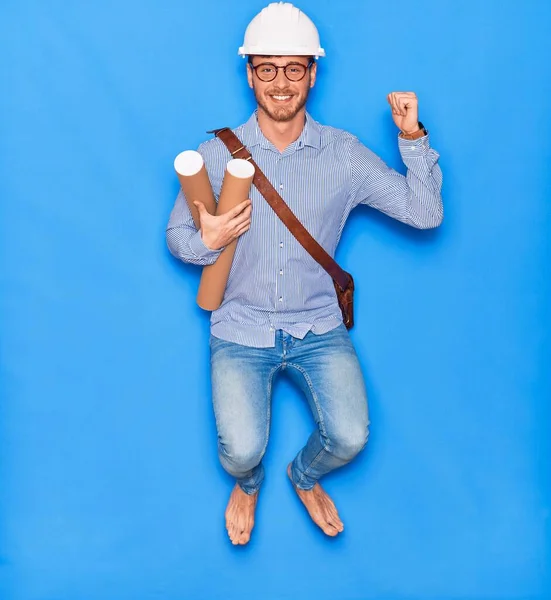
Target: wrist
x=207 y=242
x=199 y=248
x=415 y=133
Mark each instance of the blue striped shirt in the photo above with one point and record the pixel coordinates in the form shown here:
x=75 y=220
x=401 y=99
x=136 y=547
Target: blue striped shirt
x=274 y=283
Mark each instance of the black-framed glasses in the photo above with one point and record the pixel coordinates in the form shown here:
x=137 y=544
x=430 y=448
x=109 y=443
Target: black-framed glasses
x=294 y=71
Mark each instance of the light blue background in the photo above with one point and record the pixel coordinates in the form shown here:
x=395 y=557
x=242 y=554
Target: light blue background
x=110 y=485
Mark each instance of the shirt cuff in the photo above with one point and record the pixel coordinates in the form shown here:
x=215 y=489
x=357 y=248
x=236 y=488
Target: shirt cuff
x=200 y=250
x=418 y=147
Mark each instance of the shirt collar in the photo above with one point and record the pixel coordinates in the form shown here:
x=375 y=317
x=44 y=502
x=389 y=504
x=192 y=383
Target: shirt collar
x=252 y=134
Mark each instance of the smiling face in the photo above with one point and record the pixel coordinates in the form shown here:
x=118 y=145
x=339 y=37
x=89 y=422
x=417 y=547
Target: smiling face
x=281 y=99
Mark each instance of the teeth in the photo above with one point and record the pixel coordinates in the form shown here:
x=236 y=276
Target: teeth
x=281 y=97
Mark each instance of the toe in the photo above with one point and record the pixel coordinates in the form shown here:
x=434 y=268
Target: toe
x=332 y=518
x=244 y=538
x=235 y=538
x=328 y=529
x=335 y=519
x=234 y=533
x=338 y=526
x=324 y=524
x=230 y=533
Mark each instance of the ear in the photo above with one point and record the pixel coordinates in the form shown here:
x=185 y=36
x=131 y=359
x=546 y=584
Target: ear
x=313 y=73
x=249 y=75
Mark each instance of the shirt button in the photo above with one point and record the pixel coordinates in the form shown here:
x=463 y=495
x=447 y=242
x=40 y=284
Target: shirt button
x=281 y=244
x=280 y=186
x=281 y=272
x=280 y=299
x=412 y=147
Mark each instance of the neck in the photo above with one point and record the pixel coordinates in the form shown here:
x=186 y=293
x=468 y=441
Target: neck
x=281 y=133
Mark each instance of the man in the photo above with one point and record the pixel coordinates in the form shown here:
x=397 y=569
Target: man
x=280 y=311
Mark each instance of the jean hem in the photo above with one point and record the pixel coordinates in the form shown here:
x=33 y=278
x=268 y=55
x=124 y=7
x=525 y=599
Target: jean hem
x=305 y=489
x=303 y=475
x=246 y=490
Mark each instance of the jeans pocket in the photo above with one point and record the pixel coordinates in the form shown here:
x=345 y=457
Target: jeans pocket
x=218 y=343
x=340 y=338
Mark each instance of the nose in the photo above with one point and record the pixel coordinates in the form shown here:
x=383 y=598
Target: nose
x=281 y=78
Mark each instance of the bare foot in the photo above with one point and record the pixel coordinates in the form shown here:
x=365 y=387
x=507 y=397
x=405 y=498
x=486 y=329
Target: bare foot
x=240 y=516
x=320 y=507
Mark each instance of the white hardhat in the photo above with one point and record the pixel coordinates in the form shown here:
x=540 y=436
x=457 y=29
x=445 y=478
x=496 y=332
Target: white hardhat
x=281 y=29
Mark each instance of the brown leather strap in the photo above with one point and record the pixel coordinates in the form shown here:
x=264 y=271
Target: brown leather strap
x=238 y=150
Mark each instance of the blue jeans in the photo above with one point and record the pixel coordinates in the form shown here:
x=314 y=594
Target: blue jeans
x=325 y=367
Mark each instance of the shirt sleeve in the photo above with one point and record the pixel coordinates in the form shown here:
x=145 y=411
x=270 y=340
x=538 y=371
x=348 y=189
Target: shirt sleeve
x=183 y=239
x=414 y=198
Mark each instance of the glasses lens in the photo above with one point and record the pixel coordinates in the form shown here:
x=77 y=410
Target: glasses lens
x=266 y=72
x=295 y=72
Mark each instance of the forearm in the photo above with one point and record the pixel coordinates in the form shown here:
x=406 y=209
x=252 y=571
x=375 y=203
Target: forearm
x=413 y=199
x=424 y=208
x=183 y=239
x=187 y=245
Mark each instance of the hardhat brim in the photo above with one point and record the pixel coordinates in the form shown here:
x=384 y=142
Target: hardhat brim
x=264 y=51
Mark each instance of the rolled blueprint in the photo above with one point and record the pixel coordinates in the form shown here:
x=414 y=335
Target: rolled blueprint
x=192 y=174
x=235 y=188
